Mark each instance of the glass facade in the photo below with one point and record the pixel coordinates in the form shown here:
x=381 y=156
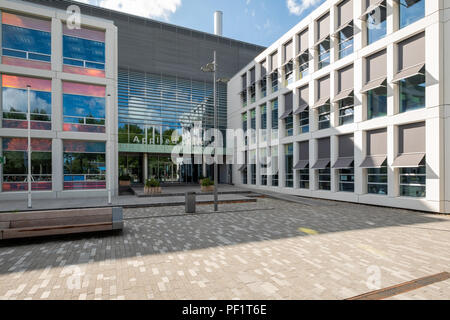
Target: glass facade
x=347 y=180
x=304 y=121
x=253 y=125
x=411 y=11
x=377 y=103
x=346 y=41
x=289 y=72
x=289 y=165
x=84 y=107
x=304 y=178
x=377 y=180
x=156 y=110
x=376 y=24
x=84 y=51
x=274 y=81
x=84 y=165
x=263 y=124
x=303 y=62
x=15 y=102
x=274 y=161
x=346 y=111
x=324 y=54
x=289 y=126
x=15 y=167
x=253 y=166
x=412 y=93
x=324 y=116
x=413 y=181
x=325 y=179
x=26 y=41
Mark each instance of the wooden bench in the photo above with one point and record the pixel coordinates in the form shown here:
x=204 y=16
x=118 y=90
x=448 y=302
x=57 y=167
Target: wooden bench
x=59 y=222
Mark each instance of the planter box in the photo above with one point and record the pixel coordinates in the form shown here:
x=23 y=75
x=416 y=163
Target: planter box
x=124 y=183
x=152 y=190
x=207 y=189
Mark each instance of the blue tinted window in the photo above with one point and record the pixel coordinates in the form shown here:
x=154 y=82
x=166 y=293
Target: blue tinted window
x=23 y=39
x=16 y=100
x=411 y=13
x=83 y=106
x=376 y=25
x=82 y=49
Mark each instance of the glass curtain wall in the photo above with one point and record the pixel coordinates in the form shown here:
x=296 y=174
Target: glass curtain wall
x=15 y=102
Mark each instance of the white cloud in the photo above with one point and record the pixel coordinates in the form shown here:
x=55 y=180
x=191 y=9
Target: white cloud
x=146 y=8
x=298 y=6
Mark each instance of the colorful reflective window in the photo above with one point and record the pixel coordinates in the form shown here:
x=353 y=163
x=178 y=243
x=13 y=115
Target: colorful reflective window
x=26 y=41
x=84 y=52
x=15 y=102
x=15 y=168
x=84 y=107
x=84 y=165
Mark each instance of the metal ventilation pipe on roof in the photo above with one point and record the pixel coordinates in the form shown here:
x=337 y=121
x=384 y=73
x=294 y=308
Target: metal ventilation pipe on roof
x=218 y=23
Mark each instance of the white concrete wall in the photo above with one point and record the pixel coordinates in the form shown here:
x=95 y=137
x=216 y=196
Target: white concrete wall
x=436 y=26
x=58 y=17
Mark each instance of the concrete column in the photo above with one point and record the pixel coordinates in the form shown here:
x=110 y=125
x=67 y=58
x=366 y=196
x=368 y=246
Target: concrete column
x=296 y=122
x=258 y=162
x=57 y=105
x=334 y=113
x=313 y=114
x=334 y=153
x=145 y=164
x=111 y=52
x=57 y=45
x=360 y=152
x=390 y=19
x=395 y=14
x=391 y=133
x=392 y=100
x=333 y=42
x=57 y=166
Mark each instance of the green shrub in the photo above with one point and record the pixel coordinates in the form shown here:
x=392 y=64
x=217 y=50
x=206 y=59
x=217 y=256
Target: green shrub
x=152 y=183
x=207 y=182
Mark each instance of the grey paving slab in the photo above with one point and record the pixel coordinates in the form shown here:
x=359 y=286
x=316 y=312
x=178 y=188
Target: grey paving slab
x=123 y=201
x=270 y=249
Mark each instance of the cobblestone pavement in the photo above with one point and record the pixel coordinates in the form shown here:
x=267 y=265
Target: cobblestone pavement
x=266 y=250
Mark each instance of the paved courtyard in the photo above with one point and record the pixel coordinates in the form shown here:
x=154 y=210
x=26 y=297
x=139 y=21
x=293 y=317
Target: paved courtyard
x=270 y=249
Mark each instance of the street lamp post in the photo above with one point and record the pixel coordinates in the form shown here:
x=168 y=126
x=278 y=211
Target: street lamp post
x=29 y=146
x=212 y=67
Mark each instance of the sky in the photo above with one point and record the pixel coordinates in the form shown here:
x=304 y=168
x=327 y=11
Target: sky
x=260 y=22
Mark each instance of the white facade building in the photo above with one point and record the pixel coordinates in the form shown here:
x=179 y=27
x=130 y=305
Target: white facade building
x=358 y=106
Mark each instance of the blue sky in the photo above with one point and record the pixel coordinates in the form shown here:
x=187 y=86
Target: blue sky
x=255 y=21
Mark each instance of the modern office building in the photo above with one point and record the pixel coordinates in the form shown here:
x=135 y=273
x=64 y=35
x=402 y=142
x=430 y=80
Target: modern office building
x=351 y=105
x=107 y=90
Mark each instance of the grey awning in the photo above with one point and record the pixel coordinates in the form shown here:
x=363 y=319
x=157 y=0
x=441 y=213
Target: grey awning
x=373 y=162
x=373 y=85
x=321 y=40
x=302 y=164
x=410 y=72
x=370 y=9
x=343 y=163
x=343 y=95
x=408 y=160
x=303 y=52
x=321 y=102
x=300 y=109
x=243 y=167
x=286 y=114
x=321 y=164
x=345 y=25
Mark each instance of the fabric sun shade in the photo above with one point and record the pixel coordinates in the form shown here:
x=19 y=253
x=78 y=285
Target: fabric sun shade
x=376 y=149
x=412 y=148
x=288 y=101
x=346 y=152
x=371 y=6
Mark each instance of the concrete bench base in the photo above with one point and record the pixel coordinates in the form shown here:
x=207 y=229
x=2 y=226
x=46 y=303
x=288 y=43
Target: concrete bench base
x=60 y=222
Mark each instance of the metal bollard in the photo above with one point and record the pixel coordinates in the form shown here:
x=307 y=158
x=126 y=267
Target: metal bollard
x=190 y=202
